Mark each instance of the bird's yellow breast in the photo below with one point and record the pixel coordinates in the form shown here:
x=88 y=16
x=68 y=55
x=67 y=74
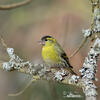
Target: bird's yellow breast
x=50 y=54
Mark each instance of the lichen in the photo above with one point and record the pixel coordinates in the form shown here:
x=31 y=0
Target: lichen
x=86 y=32
x=16 y=62
x=88 y=70
x=59 y=75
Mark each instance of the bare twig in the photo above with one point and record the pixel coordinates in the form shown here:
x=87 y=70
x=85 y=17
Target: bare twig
x=94 y=27
x=15 y=5
x=22 y=91
x=34 y=79
x=3 y=42
x=81 y=45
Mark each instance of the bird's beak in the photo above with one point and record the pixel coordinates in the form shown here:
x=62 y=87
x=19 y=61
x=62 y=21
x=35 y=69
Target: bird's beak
x=41 y=42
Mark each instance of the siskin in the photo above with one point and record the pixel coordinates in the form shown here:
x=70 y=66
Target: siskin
x=54 y=55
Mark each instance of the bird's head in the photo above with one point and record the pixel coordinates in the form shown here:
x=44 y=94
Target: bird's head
x=47 y=40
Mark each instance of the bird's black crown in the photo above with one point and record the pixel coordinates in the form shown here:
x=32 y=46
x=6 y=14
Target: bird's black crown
x=45 y=38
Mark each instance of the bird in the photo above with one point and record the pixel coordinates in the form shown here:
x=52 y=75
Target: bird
x=54 y=55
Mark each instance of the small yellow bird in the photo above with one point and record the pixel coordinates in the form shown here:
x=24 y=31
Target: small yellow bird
x=54 y=55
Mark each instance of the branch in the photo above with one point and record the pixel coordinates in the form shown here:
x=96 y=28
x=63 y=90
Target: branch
x=80 y=46
x=95 y=26
x=3 y=42
x=88 y=71
x=89 y=68
x=40 y=70
x=15 y=5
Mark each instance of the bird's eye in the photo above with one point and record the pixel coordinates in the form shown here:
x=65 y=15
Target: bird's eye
x=46 y=40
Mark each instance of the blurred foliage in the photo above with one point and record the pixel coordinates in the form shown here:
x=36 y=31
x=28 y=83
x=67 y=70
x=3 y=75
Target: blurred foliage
x=43 y=91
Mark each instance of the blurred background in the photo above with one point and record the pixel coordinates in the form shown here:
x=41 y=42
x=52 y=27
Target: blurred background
x=22 y=27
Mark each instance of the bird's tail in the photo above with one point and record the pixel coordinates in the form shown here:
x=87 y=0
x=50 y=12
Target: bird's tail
x=71 y=71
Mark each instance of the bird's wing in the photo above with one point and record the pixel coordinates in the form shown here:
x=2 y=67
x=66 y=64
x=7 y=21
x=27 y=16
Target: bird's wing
x=63 y=55
x=66 y=60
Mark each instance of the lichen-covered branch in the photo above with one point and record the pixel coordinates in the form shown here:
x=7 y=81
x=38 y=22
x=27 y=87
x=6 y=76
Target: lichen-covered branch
x=15 y=5
x=89 y=68
x=37 y=71
x=40 y=70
